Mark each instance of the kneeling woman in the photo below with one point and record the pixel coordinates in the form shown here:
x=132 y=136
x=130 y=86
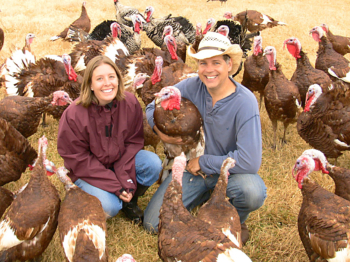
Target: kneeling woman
x=100 y=138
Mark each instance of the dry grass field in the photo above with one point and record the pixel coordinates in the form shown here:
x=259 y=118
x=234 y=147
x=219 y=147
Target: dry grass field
x=274 y=234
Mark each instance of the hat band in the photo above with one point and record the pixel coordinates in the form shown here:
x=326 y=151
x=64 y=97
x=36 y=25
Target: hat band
x=212 y=48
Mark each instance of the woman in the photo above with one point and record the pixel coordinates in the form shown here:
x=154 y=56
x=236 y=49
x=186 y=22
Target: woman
x=100 y=138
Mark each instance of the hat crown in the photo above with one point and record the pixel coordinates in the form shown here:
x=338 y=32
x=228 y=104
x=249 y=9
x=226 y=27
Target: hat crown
x=215 y=41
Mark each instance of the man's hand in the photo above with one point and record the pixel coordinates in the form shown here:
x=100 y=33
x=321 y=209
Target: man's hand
x=126 y=197
x=194 y=168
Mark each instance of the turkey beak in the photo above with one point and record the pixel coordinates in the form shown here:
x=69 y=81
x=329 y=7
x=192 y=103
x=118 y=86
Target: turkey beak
x=70 y=101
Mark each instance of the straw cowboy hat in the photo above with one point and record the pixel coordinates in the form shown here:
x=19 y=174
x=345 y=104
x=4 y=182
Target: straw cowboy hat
x=214 y=44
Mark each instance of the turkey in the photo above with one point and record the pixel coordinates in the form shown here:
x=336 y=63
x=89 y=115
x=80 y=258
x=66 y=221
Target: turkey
x=256 y=21
x=151 y=138
x=183 y=237
x=16 y=153
x=129 y=36
x=340 y=175
x=237 y=33
x=82 y=231
x=126 y=258
x=329 y=60
x=169 y=40
x=124 y=13
x=218 y=211
x=6 y=197
x=281 y=96
x=82 y=23
x=324 y=124
x=164 y=76
x=24 y=113
x=323 y=220
x=177 y=116
x=198 y=38
x=183 y=30
x=31 y=220
x=256 y=69
x=305 y=75
x=111 y=46
x=20 y=59
x=47 y=75
x=341 y=44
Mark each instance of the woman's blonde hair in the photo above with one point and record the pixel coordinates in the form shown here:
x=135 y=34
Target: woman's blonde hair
x=87 y=96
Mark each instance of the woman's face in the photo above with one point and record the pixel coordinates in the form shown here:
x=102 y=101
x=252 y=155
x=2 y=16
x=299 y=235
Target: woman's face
x=104 y=83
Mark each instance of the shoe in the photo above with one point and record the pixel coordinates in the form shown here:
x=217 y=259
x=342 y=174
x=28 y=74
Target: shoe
x=244 y=233
x=132 y=211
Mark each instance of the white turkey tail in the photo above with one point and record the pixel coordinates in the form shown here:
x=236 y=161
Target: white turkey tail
x=340 y=73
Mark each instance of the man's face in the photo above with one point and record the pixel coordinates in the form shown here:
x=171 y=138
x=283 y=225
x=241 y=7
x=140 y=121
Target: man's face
x=214 y=71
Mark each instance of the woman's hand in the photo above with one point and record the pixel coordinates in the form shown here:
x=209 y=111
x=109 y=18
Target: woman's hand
x=168 y=139
x=126 y=197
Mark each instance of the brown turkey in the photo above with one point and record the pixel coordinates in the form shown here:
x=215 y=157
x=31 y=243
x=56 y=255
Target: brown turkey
x=82 y=231
x=218 y=211
x=305 y=75
x=256 y=21
x=176 y=116
x=325 y=122
x=24 y=113
x=256 y=70
x=6 y=197
x=341 y=44
x=82 y=23
x=323 y=220
x=183 y=237
x=179 y=47
x=281 y=96
x=31 y=220
x=16 y=153
x=328 y=60
x=164 y=76
x=340 y=175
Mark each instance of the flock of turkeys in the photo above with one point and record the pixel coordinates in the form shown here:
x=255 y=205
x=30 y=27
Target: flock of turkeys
x=314 y=98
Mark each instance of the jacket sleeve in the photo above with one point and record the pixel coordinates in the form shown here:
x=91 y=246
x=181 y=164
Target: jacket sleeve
x=125 y=166
x=74 y=149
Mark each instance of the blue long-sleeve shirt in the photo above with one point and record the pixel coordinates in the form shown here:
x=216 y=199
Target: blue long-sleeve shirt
x=232 y=127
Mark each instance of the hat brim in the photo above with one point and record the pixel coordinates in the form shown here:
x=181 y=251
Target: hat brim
x=234 y=51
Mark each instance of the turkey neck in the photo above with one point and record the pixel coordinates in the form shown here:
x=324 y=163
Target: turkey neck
x=324 y=45
x=303 y=60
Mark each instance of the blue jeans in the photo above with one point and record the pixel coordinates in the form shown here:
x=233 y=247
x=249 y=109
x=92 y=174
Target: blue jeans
x=247 y=192
x=148 y=166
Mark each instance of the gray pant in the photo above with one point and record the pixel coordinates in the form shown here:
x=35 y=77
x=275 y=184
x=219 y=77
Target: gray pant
x=247 y=192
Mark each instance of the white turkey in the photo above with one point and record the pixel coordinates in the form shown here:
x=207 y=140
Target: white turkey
x=183 y=30
x=20 y=59
x=124 y=13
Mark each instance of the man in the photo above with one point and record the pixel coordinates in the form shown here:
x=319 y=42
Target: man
x=232 y=128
